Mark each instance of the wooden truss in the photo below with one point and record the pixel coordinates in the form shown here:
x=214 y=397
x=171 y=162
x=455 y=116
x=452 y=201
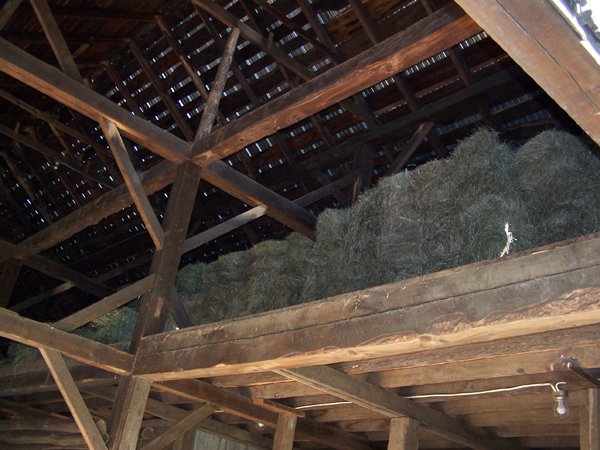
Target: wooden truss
x=525 y=311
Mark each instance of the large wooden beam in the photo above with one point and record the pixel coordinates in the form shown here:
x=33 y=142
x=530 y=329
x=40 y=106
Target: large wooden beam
x=52 y=82
x=429 y=36
x=72 y=397
x=388 y=404
x=36 y=334
x=555 y=60
x=542 y=290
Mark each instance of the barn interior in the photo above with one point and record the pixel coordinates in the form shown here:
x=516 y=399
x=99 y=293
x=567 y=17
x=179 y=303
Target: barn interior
x=140 y=138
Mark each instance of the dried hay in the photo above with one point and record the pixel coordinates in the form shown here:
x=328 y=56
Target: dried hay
x=441 y=215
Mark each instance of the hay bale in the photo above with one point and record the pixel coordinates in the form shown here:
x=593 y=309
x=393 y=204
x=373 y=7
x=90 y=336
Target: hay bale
x=327 y=261
x=221 y=292
x=561 y=187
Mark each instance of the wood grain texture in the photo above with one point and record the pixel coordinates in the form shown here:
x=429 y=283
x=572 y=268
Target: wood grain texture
x=541 y=290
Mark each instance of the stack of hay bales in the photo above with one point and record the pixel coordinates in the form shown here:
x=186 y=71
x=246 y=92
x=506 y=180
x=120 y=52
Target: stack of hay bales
x=441 y=215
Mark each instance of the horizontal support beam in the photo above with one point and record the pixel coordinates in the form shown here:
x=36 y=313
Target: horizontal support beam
x=36 y=334
x=545 y=289
x=442 y=30
x=52 y=82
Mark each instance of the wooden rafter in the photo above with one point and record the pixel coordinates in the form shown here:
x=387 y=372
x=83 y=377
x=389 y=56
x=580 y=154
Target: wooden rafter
x=445 y=28
x=556 y=60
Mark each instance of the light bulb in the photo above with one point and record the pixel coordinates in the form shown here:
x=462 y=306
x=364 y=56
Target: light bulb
x=561 y=408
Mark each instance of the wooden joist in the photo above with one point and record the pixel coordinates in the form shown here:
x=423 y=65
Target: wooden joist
x=374 y=398
x=541 y=290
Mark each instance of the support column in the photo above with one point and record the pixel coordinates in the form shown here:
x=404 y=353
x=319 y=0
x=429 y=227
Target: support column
x=284 y=433
x=403 y=434
x=589 y=420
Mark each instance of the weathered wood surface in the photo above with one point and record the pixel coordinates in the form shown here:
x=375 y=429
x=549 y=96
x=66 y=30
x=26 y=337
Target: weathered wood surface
x=589 y=419
x=536 y=36
x=75 y=95
x=68 y=388
x=403 y=434
x=36 y=334
x=132 y=180
x=444 y=29
x=188 y=423
x=541 y=290
x=284 y=431
x=374 y=398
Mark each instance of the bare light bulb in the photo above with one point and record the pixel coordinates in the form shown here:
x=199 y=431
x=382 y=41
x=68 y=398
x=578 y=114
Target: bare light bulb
x=561 y=408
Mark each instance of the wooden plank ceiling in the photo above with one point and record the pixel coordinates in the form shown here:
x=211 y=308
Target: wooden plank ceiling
x=261 y=114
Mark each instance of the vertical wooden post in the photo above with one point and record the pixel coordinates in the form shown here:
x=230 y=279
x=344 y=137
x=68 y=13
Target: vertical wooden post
x=284 y=433
x=403 y=434
x=589 y=420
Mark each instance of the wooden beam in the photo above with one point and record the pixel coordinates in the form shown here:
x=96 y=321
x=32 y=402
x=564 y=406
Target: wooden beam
x=10 y=273
x=212 y=103
x=284 y=432
x=133 y=182
x=36 y=334
x=190 y=422
x=403 y=434
x=254 y=37
x=104 y=306
x=536 y=291
x=384 y=402
x=25 y=304
x=128 y=411
x=73 y=398
x=445 y=28
x=52 y=82
x=589 y=420
x=233 y=403
x=176 y=414
x=253 y=193
x=415 y=141
x=556 y=61
x=7 y=11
